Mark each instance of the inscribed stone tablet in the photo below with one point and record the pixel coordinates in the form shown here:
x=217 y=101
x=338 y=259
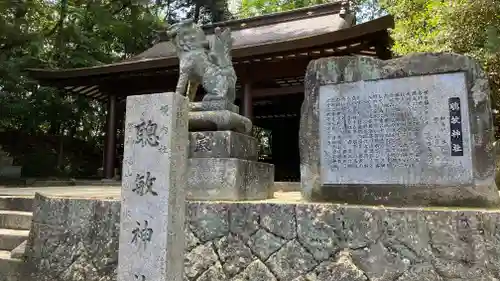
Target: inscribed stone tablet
x=153 y=188
x=408 y=131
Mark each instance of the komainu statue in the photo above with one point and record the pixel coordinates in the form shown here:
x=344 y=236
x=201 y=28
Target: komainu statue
x=204 y=62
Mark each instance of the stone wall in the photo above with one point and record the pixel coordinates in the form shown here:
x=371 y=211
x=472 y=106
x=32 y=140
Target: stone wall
x=78 y=240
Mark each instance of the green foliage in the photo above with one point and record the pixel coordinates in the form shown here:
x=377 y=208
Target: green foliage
x=365 y=9
x=251 y=8
x=264 y=138
x=462 y=26
x=419 y=25
x=70 y=34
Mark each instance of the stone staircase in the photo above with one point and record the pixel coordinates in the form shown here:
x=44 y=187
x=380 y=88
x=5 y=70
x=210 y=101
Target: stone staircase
x=15 y=222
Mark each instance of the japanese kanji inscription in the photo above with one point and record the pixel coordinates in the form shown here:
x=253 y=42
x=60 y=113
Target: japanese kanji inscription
x=153 y=184
x=394 y=130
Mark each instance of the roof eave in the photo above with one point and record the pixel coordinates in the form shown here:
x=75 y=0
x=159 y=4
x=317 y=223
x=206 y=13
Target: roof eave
x=338 y=7
x=374 y=26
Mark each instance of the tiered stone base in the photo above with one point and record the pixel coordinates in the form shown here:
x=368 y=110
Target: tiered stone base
x=221 y=120
x=78 y=240
x=229 y=179
x=223 y=157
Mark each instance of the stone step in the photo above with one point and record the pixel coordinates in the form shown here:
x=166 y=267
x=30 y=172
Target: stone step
x=19 y=251
x=16 y=203
x=9 y=268
x=11 y=238
x=15 y=219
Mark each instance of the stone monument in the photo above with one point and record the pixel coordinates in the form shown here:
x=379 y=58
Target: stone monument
x=415 y=130
x=223 y=156
x=7 y=169
x=151 y=243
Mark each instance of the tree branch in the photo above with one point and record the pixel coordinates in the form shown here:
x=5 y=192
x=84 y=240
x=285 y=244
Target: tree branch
x=62 y=17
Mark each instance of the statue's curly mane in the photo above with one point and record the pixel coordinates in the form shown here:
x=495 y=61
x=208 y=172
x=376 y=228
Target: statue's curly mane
x=222 y=45
x=203 y=62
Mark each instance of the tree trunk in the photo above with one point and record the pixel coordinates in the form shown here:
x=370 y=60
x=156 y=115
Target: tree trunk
x=60 y=154
x=197 y=10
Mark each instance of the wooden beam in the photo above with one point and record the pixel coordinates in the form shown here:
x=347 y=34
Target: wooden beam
x=141 y=85
x=263 y=71
x=291 y=66
x=287 y=107
x=262 y=93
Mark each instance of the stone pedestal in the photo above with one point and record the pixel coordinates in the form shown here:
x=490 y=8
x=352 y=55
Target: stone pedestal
x=7 y=169
x=223 y=156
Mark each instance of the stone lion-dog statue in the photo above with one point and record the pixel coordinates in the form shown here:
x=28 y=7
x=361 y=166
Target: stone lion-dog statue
x=204 y=62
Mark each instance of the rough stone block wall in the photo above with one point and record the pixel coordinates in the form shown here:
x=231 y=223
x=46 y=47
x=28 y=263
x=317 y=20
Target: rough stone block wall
x=78 y=240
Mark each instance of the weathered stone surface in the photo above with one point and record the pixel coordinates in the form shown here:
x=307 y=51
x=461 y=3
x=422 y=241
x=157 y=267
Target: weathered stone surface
x=222 y=120
x=214 y=105
x=316 y=230
x=291 y=261
x=264 y=243
x=153 y=192
x=229 y=179
x=199 y=260
x=222 y=144
x=215 y=272
x=257 y=271
x=208 y=221
x=474 y=187
x=234 y=254
x=244 y=219
x=421 y=272
x=343 y=268
x=380 y=262
x=279 y=219
x=191 y=240
x=63 y=250
x=233 y=241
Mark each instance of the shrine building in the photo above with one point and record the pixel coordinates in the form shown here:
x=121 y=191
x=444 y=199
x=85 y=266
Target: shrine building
x=270 y=56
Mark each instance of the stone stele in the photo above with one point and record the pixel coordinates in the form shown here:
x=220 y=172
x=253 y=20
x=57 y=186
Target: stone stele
x=153 y=188
x=416 y=130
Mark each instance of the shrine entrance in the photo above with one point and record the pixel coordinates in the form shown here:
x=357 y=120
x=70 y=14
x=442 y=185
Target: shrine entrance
x=280 y=115
x=270 y=56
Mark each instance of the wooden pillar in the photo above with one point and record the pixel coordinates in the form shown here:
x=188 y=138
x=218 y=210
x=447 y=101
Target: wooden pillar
x=247 y=102
x=110 y=143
